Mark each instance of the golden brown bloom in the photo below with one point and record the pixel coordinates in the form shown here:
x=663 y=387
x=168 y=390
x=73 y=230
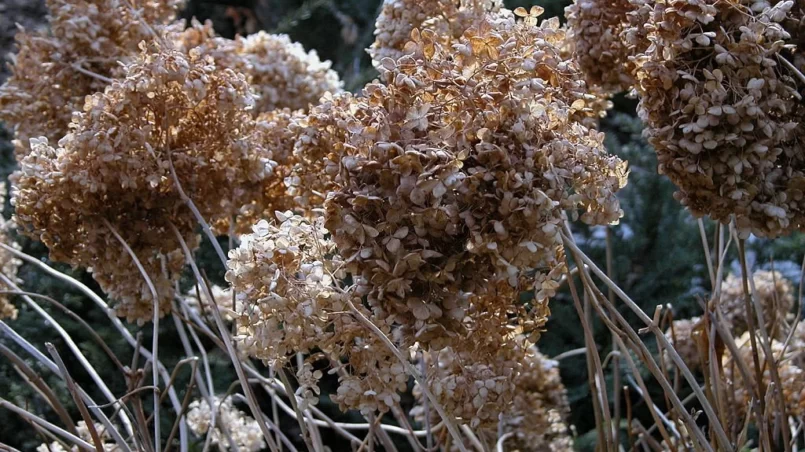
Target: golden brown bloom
x=52 y=71
x=9 y=264
x=114 y=169
x=683 y=336
x=774 y=293
x=722 y=108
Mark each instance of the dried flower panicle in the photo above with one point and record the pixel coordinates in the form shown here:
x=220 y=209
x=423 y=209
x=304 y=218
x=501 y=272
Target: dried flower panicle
x=171 y=109
x=243 y=429
x=83 y=432
x=281 y=73
x=722 y=107
x=54 y=70
x=595 y=29
x=9 y=263
x=792 y=377
x=447 y=19
x=452 y=178
x=683 y=336
x=774 y=292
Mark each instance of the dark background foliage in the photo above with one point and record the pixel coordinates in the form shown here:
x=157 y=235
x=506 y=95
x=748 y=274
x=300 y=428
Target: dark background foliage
x=657 y=253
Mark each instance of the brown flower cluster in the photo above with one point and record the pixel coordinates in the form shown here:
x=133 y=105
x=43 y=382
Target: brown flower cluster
x=446 y=19
x=595 y=37
x=280 y=72
x=684 y=336
x=774 y=293
x=456 y=171
x=54 y=70
x=792 y=377
x=722 y=106
x=537 y=410
x=113 y=172
x=9 y=264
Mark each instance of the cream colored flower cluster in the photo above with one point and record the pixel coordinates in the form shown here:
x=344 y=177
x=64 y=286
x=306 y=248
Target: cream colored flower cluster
x=536 y=414
x=447 y=19
x=281 y=73
x=113 y=172
x=774 y=292
x=457 y=169
x=684 y=336
x=792 y=377
x=242 y=429
x=9 y=264
x=54 y=70
x=83 y=432
x=723 y=110
x=595 y=30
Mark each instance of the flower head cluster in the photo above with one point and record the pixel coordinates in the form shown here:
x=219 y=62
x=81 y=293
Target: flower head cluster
x=9 y=264
x=83 y=432
x=453 y=174
x=240 y=427
x=55 y=70
x=114 y=172
x=723 y=106
x=773 y=292
x=792 y=377
x=281 y=73
x=683 y=335
x=447 y=19
x=595 y=29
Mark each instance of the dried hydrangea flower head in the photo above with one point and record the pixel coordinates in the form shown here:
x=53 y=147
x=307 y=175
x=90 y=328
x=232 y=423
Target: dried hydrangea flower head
x=447 y=19
x=722 y=110
x=683 y=336
x=51 y=73
x=594 y=35
x=774 y=293
x=451 y=178
x=281 y=73
x=537 y=408
x=83 y=432
x=9 y=264
x=792 y=377
x=242 y=428
x=114 y=169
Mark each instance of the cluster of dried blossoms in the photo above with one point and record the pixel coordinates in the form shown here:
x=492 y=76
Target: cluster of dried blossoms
x=596 y=38
x=9 y=264
x=684 y=334
x=446 y=19
x=83 y=432
x=55 y=69
x=535 y=415
x=241 y=429
x=722 y=103
x=774 y=292
x=114 y=172
x=280 y=72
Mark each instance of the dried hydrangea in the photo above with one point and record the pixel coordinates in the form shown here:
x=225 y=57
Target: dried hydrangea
x=450 y=178
x=792 y=377
x=683 y=336
x=447 y=19
x=594 y=35
x=281 y=73
x=54 y=70
x=83 y=432
x=722 y=109
x=9 y=264
x=774 y=293
x=243 y=429
x=114 y=169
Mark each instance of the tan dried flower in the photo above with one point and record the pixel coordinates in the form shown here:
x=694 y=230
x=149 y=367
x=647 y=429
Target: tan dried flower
x=83 y=432
x=52 y=72
x=683 y=336
x=446 y=19
x=9 y=264
x=243 y=429
x=774 y=293
x=722 y=110
x=114 y=169
x=454 y=173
